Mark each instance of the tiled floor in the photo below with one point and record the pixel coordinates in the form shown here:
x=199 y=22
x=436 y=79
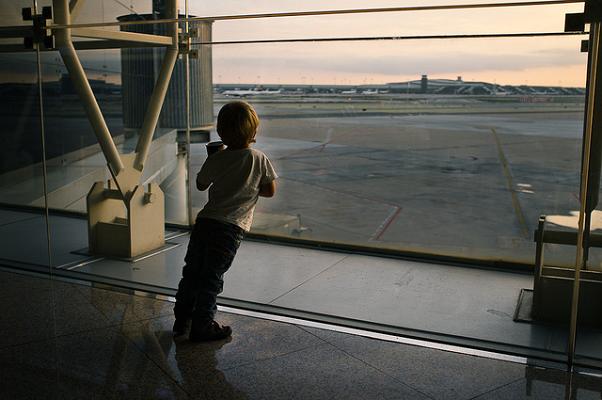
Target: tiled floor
x=69 y=341
x=451 y=301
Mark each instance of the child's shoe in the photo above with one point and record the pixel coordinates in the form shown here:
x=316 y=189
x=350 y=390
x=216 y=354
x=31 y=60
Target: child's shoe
x=209 y=331
x=180 y=326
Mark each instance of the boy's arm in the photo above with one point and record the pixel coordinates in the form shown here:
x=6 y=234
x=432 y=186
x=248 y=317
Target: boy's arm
x=267 y=189
x=203 y=179
x=267 y=186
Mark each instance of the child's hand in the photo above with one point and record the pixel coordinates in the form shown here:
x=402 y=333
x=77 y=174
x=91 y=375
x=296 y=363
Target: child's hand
x=268 y=189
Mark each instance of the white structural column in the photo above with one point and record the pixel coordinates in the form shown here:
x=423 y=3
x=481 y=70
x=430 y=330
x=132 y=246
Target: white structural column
x=124 y=220
x=156 y=101
x=81 y=84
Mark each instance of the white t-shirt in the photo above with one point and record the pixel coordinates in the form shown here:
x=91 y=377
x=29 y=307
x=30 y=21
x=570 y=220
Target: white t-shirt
x=235 y=177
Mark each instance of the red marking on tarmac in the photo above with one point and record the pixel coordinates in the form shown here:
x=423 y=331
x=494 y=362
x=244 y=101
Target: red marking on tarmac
x=386 y=223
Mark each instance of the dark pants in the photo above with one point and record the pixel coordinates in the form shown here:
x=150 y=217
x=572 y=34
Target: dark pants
x=212 y=247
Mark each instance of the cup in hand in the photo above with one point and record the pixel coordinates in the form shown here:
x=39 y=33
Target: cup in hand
x=214 y=147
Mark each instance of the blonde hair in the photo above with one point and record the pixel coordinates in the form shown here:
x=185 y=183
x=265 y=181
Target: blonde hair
x=237 y=124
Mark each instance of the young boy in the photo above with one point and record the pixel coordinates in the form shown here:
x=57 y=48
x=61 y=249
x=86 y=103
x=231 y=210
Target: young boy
x=236 y=177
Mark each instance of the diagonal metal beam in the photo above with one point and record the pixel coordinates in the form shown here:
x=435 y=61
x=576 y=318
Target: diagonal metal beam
x=74 y=7
x=65 y=46
x=127 y=169
x=93 y=33
x=158 y=96
x=80 y=45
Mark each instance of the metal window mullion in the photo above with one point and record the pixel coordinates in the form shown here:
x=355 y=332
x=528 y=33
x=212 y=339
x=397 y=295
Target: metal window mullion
x=187 y=101
x=43 y=143
x=593 y=78
x=333 y=12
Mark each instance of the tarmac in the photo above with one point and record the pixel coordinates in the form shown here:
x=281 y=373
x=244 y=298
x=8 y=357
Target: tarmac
x=460 y=176
x=468 y=184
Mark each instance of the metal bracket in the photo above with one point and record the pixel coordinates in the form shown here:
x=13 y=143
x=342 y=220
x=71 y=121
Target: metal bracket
x=593 y=11
x=184 y=44
x=41 y=34
x=194 y=33
x=27 y=13
x=574 y=22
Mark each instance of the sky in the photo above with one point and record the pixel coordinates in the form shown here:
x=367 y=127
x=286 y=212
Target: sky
x=535 y=61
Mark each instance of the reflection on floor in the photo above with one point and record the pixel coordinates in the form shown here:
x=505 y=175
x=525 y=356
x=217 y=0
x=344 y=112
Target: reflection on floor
x=454 y=302
x=69 y=341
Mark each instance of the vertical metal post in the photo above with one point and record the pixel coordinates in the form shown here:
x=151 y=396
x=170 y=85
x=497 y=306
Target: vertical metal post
x=43 y=143
x=591 y=122
x=539 y=247
x=187 y=100
x=45 y=175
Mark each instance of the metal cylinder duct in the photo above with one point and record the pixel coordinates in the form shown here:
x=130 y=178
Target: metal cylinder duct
x=202 y=74
x=137 y=74
x=139 y=70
